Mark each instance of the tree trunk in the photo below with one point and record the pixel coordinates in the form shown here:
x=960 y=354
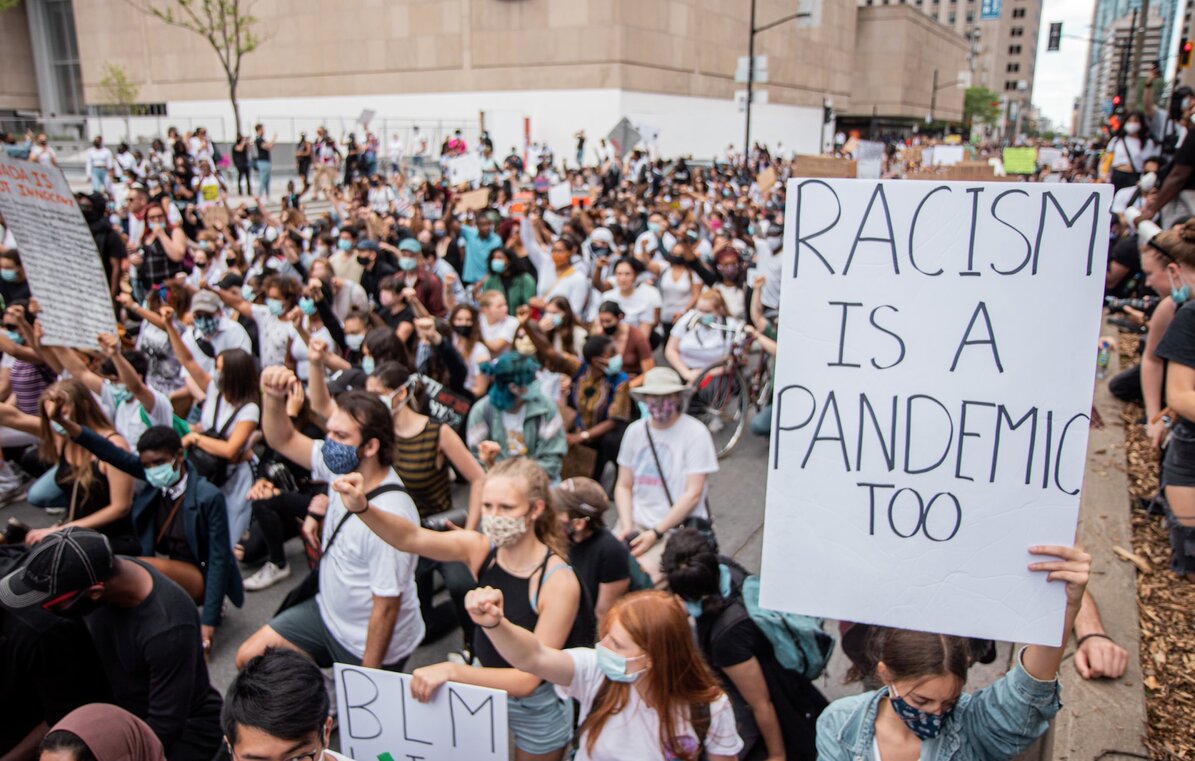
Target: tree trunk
x=236 y=108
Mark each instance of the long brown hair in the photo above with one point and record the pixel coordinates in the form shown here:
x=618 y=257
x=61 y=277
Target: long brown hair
x=677 y=679
x=84 y=411
x=909 y=655
x=536 y=486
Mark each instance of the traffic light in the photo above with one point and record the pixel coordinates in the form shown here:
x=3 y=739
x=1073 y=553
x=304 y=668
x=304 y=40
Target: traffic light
x=1184 y=54
x=827 y=114
x=1055 y=39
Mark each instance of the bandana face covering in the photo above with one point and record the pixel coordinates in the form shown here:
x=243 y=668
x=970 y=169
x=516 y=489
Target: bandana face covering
x=925 y=725
x=503 y=530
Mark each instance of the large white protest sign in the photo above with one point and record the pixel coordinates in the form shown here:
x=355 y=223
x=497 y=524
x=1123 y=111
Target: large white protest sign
x=934 y=377
x=379 y=719
x=464 y=169
x=560 y=195
x=58 y=254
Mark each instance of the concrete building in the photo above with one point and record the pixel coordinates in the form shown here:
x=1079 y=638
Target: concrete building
x=1096 y=103
x=898 y=51
x=528 y=70
x=1003 y=45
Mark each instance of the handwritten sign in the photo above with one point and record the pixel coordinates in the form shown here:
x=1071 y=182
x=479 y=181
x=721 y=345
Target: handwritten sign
x=560 y=195
x=444 y=404
x=823 y=166
x=1020 y=160
x=380 y=719
x=944 y=155
x=58 y=252
x=474 y=200
x=464 y=170
x=929 y=423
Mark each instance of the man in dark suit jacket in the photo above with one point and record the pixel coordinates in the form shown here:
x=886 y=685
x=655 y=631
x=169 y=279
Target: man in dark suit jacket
x=178 y=514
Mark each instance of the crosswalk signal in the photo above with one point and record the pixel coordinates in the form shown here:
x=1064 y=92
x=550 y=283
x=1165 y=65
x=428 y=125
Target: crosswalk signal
x=1184 y=54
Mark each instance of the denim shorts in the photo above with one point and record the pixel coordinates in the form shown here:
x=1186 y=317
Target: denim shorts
x=303 y=627
x=541 y=722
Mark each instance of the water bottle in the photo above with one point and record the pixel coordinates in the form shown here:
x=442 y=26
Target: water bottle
x=1101 y=359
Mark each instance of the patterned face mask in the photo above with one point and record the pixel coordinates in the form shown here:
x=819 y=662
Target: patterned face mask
x=663 y=409
x=925 y=725
x=503 y=530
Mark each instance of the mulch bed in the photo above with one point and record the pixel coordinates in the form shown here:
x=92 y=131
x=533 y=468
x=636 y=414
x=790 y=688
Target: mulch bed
x=1166 y=603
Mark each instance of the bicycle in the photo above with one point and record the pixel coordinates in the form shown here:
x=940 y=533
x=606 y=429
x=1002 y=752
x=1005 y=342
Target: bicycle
x=727 y=392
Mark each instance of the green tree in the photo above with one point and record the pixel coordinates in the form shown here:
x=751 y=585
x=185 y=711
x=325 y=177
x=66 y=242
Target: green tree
x=6 y=4
x=981 y=106
x=117 y=89
x=229 y=26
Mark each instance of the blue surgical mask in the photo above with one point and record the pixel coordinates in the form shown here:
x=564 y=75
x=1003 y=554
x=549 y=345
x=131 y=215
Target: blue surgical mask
x=925 y=725
x=8 y=275
x=340 y=458
x=307 y=305
x=614 y=365
x=247 y=292
x=354 y=340
x=614 y=666
x=120 y=394
x=555 y=318
x=653 y=228
x=275 y=306
x=367 y=365
x=706 y=319
x=407 y=263
x=694 y=608
x=498 y=266
x=344 y=244
x=58 y=429
x=161 y=476
x=14 y=336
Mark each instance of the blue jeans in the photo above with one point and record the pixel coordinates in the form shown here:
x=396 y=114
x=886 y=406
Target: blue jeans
x=99 y=179
x=761 y=424
x=45 y=492
x=263 y=178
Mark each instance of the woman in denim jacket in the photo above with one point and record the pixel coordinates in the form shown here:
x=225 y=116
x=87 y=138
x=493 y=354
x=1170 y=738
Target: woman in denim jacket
x=922 y=713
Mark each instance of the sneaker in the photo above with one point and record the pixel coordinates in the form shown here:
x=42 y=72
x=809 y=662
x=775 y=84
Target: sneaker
x=55 y=511
x=267 y=576
x=12 y=491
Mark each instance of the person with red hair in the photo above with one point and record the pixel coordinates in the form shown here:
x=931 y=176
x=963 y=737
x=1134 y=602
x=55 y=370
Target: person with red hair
x=644 y=689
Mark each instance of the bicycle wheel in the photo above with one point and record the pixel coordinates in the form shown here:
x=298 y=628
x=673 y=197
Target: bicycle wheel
x=720 y=401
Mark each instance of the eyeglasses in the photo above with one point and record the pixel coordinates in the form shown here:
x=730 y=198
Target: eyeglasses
x=314 y=755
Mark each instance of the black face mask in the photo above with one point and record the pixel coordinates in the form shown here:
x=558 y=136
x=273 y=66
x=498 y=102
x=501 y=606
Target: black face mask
x=363 y=261
x=464 y=331
x=610 y=329
x=600 y=251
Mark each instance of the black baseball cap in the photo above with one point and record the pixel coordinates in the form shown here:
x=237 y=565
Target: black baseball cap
x=65 y=561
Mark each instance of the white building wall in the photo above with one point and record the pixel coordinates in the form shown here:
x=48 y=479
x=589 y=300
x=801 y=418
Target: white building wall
x=700 y=127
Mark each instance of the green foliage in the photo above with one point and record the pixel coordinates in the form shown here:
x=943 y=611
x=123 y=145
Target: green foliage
x=981 y=106
x=116 y=85
x=8 y=4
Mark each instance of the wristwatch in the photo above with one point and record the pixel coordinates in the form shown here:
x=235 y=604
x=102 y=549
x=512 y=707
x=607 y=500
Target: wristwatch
x=584 y=435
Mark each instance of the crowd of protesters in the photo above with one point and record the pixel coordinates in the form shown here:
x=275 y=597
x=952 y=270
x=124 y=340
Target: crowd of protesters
x=338 y=376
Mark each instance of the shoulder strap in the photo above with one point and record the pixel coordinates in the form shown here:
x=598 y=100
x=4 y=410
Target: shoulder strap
x=370 y=495
x=656 y=456
x=490 y=558
x=699 y=715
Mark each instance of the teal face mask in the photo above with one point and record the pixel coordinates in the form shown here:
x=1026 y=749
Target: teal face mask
x=275 y=306
x=307 y=305
x=367 y=365
x=498 y=266
x=120 y=394
x=161 y=476
x=344 y=244
x=614 y=365
x=614 y=666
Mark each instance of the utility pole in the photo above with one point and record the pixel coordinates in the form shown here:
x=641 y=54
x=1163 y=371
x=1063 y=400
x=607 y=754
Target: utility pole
x=933 y=97
x=750 y=83
x=1139 y=48
x=753 y=30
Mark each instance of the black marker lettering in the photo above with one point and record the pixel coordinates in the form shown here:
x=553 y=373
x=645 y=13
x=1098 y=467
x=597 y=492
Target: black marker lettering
x=358 y=726
x=846 y=305
x=913 y=231
x=830 y=406
x=889 y=447
x=970 y=271
x=909 y=434
x=1058 y=456
x=963 y=433
x=1096 y=218
x=454 y=698
x=981 y=308
x=900 y=357
x=1002 y=416
x=859 y=237
x=871 y=502
x=804 y=240
x=778 y=415
x=1028 y=245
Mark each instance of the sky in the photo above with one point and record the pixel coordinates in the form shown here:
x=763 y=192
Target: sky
x=1059 y=75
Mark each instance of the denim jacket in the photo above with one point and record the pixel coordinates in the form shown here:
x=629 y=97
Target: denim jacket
x=994 y=724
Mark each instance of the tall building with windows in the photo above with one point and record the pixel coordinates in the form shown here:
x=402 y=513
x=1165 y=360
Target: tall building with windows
x=1003 y=36
x=1166 y=24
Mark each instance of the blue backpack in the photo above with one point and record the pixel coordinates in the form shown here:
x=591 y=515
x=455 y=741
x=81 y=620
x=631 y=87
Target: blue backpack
x=798 y=641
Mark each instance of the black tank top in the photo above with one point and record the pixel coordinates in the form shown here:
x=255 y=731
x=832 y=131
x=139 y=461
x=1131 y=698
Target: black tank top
x=516 y=601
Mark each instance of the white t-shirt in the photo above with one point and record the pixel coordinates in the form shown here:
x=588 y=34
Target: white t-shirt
x=229 y=335
x=475 y=360
x=634 y=732
x=273 y=333
x=685 y=448
x=504 y=330
x=702 y=345
x=1121 y=201
x=127 y=418
x=675 y=293
x=298 y=349
x=360 y=564
x=735 y=298
x=640 y=307
x=574 y=287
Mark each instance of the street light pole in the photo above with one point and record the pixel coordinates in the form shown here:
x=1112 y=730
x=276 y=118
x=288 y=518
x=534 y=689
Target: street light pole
x=750 y=82
x=753 y=30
